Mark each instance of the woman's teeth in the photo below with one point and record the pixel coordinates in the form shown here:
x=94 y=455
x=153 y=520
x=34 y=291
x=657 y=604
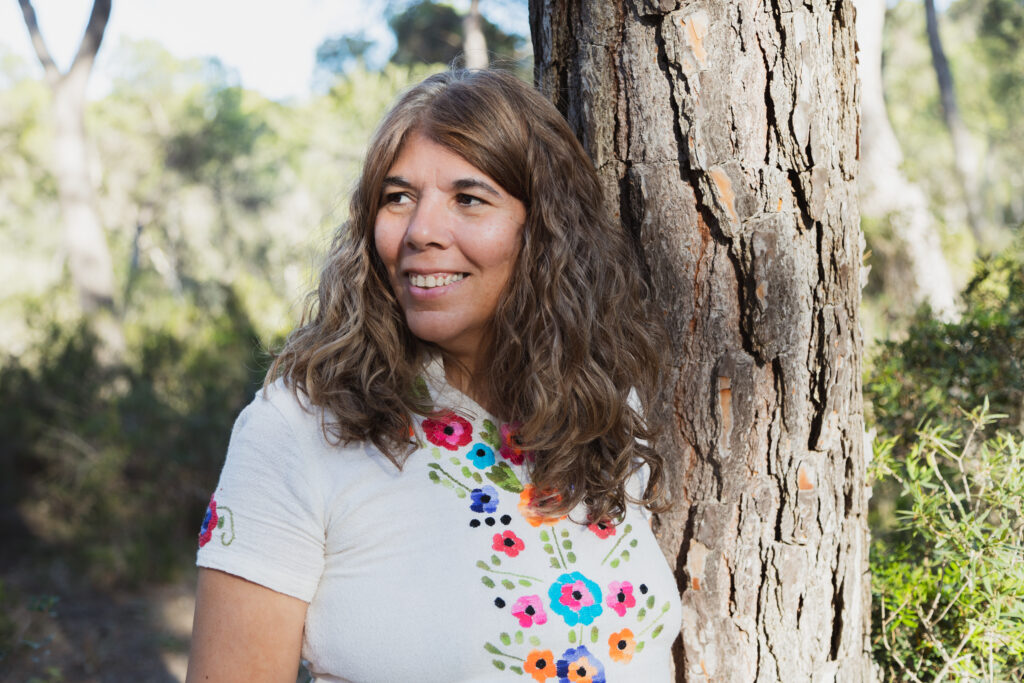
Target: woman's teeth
x=428 y=281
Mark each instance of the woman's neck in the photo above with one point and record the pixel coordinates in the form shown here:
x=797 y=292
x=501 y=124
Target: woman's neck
x=464 y=377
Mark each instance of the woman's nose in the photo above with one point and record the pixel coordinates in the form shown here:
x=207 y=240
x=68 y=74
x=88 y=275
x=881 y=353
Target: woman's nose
x=428 y=225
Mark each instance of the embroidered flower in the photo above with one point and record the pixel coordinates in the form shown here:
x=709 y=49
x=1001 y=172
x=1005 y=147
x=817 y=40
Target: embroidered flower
x=620 y=597
x=621 y=646
x=209 y=523
x=485 y=499
x=481 y=456
x=576 y=598
x=448 y=431
x=528 y=509
x=602 y=529
x=578 y=665
x=529 y=610
x=540 y=664
x=508 y=543
x=511 y=449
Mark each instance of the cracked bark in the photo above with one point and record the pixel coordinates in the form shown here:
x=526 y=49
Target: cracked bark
x=726 y=138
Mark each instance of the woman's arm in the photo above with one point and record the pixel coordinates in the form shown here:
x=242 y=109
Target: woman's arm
x=244 y=631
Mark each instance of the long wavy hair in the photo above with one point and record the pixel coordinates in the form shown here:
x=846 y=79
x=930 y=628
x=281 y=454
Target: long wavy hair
x=571 y=337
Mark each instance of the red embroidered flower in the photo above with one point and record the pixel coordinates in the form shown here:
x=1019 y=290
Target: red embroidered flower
x=510 y=447
x=602 y=529
x=209 y=523
x=508 y=543
x=449 y=431
x=620 y=597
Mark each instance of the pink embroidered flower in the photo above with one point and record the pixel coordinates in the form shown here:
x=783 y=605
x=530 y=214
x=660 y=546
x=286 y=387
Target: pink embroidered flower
x=449 y=431
x=209 y=523
x=508 y=543
x=510 y=448
x=529 y=610
x=602 y=529
x=620 y=597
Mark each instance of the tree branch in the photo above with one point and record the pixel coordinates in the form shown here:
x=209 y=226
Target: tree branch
x=92 y=38
x=52 y=72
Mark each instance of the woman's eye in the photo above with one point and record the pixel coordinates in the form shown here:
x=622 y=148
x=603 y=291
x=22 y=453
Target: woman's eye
x=397 y=198
x=468 y=200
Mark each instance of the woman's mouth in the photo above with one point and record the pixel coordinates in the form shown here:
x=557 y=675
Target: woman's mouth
x=434 y=280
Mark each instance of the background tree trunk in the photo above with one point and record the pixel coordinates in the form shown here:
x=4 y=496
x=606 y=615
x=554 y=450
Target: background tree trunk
x=474 y=44
x=726 y=136
x=85 y=243
x=919 y=272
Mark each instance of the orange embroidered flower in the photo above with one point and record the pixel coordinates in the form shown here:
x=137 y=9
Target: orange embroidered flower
x=621 y=646
x=541 y=665
x=528 y=509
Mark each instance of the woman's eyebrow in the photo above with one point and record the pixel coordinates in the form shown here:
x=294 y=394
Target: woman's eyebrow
x=397 y=181
x=475 y=184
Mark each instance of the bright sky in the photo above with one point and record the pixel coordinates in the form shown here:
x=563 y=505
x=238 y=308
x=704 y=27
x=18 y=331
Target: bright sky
x=271 y=43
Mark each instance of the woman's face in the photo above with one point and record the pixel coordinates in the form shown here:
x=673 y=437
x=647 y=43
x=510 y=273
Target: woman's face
x=449 y=236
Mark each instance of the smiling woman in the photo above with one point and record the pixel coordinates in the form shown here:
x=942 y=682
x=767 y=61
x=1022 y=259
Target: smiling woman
x=447 y=476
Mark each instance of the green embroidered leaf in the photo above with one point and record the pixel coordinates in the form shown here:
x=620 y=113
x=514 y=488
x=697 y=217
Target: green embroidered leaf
x=629 y=527
x=460 y=492
x=614 y=563
x=544 y=535
x=434 y=476
x=487 y=581
x=516 y=669
x=640 y=614
x=657 y=630
x=593 y=634
x=436 y=452
x=555 y=564
x=650 y=602
x=220 y=523
x=666 y=607
x=483 y=565
x=572 y=636
x=507 y=584
x=535 y=641
x=492 y=649
x=632 y=544
x=499 y=664
x=570 y=557
x=567 y=545
x=419 y=389
x=466 y=472
x=549 y=549
x=525 y=582
x=518 y=637
x=502 y=475
x=625 y=555
x=639 y=646
x=455 y=461
x=495 y=561
x=477 y=478
x=565 y=533
x=506 y=639
x=447 y=483
x=491 y=435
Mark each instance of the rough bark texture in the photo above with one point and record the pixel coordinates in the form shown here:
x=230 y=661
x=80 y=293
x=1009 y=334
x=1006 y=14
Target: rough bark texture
x=726 y=136
x=474 y=43
x=919 y=272
x=84 y=240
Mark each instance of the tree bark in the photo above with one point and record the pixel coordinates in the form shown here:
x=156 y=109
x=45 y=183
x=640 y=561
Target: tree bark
x=84 y=240
x=726 y=137
x=474 y=43
x=965 y=161
x=919 y=273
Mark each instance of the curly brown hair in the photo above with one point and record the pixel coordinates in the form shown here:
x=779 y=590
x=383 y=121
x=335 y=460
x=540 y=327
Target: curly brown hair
x=570 y=339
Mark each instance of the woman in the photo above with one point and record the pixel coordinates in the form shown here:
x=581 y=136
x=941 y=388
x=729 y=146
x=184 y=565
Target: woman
x=446 y=477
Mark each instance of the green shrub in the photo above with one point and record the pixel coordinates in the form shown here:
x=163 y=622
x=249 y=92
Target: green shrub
x=948 y=586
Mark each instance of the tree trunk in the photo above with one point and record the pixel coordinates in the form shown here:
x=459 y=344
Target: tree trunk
x=965 y=161
x=919 y=273
x=726 y=136
x=84 y=241
x=473 y=41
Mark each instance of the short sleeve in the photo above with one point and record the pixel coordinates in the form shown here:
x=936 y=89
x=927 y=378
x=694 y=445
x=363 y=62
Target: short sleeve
x=265 y=522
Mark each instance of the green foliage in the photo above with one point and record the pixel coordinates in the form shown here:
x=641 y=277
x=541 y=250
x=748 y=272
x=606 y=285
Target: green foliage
x=431 y=33
x=111 y=465
x=943 y=366
x=948 y=588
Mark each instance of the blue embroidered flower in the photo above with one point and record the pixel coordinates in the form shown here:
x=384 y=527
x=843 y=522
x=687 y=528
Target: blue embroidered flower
x=578 y=665
x=484 y=499
x=481 y=455
x=576 y=598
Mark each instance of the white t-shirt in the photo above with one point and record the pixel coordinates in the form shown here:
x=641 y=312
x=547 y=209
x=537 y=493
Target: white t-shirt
x=441 y=571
